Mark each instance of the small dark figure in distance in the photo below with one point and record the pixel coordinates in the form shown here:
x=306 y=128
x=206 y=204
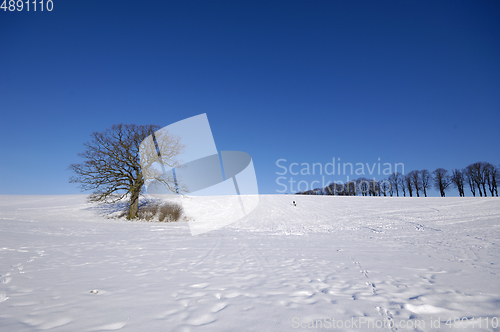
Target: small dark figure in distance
x=294 y=204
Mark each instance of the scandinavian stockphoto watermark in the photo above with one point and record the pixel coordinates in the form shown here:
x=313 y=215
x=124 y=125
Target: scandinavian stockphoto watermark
x=319 y=174
x=181 y=163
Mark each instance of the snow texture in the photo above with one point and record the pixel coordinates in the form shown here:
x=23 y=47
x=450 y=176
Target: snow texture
x=412 y=263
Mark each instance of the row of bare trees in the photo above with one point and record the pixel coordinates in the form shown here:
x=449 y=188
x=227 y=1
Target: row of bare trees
x=481 y=177
x=360 y=186
x=415 y=182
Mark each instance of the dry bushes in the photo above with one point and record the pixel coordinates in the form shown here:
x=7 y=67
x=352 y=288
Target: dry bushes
x=160 y=211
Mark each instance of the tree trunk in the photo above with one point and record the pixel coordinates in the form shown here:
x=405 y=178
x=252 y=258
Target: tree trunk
x=484 y=190
x=134 y=203
x=135 y=191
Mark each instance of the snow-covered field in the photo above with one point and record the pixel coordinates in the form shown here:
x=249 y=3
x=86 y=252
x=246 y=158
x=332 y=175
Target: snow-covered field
x=341 y=263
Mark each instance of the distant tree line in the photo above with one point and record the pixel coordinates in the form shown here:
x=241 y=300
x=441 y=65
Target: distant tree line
x=481 y=178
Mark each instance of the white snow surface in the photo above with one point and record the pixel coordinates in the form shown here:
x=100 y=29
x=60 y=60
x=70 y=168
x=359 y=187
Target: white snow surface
x=410 y=263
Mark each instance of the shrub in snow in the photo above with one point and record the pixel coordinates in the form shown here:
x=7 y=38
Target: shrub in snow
x=170 y=212
x=147 y=211
x=162 y=211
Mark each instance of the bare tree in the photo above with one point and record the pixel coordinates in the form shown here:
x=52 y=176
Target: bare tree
x=425 y=180
x=336 y=188
x=442 y=180
x=395 y=180
x=374 y=188
x=378 y=187
x=330 y=189
x=409 y=184
x=386 y=187
x=363 y=184
x=492 y=177
x=458 y=179
x=402 y=184
x=351 y=188
x=112 y=165
x=415 y=181
x=478 y=173
x=495 y=177
x=470 y=180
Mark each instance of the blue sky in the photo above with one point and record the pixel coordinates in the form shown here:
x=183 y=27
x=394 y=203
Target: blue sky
x=413 y=82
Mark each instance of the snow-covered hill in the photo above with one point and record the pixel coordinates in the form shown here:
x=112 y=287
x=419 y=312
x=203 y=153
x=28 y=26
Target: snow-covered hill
x=353 y=263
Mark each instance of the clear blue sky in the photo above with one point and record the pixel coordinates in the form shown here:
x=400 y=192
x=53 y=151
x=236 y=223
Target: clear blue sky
x=413 y=82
